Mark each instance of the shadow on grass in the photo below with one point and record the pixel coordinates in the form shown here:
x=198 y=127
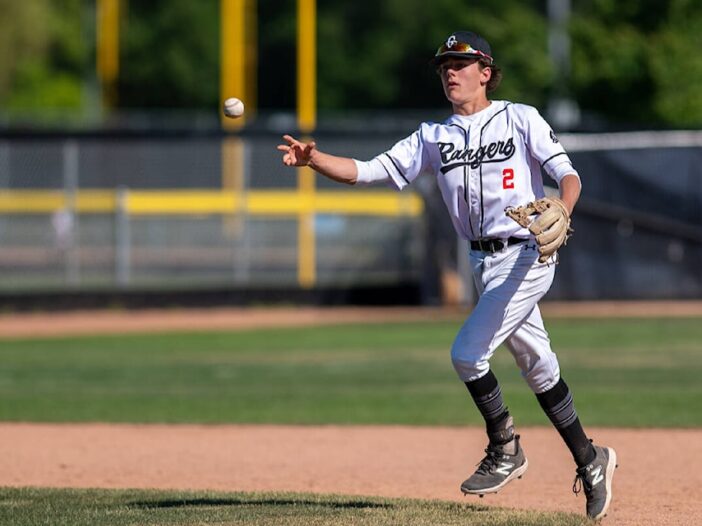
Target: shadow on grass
x=185 y=503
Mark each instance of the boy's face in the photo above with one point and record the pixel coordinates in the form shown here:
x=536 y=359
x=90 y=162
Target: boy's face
x=462 y=79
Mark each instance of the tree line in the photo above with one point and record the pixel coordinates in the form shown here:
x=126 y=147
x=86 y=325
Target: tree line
x=633 y=63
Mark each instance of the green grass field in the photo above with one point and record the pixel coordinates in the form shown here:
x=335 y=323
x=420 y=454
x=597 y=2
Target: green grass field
x=623 y=372
x=60 y=507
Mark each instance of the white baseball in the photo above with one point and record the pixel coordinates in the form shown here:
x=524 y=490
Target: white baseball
x=233 y=108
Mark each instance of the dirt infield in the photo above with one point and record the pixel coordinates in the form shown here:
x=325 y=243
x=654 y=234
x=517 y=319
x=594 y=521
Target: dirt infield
x=658 y=481
x=106 y=321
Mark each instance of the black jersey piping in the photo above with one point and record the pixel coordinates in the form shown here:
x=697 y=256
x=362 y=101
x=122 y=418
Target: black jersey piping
x=556 y=155
x=386 y=170
x=396 y=167
x=466 y=139
x=466 y=135
x=480 y=144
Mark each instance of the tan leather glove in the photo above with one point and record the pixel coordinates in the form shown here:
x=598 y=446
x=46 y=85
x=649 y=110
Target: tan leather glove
x=551 y=226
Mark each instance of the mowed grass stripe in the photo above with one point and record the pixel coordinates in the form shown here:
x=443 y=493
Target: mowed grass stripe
x=625 y=372
x=71 y=507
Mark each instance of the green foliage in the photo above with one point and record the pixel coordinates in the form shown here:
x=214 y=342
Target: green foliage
x=277 y=54
x=38 y=86
x=528 y=72
x=623 y=373
x=78 y=507
x=19 y=39
x=677 y=67
x=382 y=61
x=633 y=62
x=609 y=64
x=170 y=55
x=359 y=55
x=43 y=54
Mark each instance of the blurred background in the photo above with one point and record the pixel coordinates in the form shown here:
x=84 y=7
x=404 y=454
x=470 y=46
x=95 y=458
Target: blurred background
x=121 y=183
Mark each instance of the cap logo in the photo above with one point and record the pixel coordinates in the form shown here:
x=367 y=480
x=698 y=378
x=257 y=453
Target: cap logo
x=452 y=41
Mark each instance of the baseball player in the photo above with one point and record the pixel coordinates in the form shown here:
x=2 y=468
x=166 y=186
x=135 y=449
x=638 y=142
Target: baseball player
x=487 y=158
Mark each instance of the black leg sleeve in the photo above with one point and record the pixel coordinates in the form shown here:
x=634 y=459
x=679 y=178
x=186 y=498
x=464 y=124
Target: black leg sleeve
x=558 y=405
x=487 y=396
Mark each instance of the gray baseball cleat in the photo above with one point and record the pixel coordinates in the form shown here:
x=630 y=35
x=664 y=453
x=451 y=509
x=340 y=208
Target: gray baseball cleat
x=596 y=480
x=502 y=464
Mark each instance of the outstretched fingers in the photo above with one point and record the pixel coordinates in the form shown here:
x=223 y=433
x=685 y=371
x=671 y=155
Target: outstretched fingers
x=291 y=140
x=289 y=158
x=296 y=153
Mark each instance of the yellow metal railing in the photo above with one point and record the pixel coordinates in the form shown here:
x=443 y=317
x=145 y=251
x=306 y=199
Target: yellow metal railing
x=274 y=203
x=300 y=204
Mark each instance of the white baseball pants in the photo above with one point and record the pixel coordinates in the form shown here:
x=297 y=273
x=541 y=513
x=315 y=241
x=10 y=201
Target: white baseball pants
x=510 y=284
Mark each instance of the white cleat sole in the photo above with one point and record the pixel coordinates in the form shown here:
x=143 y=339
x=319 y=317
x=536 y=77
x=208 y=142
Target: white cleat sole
x=611 y=466
x=516 y=474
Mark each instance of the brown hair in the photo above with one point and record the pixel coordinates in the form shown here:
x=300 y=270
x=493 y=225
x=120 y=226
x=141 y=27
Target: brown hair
x=496 y=76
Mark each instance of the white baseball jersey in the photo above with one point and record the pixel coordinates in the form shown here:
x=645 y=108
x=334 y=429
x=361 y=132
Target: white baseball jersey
x=483 y=163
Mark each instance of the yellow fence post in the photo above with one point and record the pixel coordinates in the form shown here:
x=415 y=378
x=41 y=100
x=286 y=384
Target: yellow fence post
x=108 y=49
x=237 y=79
x=307 y=121
x=234 y=71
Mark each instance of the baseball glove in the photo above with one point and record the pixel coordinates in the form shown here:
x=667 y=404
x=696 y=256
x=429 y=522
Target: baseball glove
x=551 y=227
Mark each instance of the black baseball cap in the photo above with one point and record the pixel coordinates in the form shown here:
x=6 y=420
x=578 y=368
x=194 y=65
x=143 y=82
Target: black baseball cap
x=463 y=44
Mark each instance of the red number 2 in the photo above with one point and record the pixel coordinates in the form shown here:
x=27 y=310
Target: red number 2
x=508 y=179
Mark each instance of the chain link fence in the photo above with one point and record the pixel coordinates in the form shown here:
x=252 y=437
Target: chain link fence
x=95 y=212
x=175 y=212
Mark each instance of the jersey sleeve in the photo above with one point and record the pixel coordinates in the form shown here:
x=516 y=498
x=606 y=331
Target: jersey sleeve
x=545 y=147
x=370 y=172
x=404 y=161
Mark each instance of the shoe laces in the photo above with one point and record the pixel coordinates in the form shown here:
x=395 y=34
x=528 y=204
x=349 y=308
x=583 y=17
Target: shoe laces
x=493 y=453
x=581 y=483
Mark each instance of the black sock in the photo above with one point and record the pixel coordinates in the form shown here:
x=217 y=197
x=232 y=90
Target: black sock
x=558 y=405
x=487 y=396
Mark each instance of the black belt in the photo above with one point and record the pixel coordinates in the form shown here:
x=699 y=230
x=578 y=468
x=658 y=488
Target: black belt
x=494 y=245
